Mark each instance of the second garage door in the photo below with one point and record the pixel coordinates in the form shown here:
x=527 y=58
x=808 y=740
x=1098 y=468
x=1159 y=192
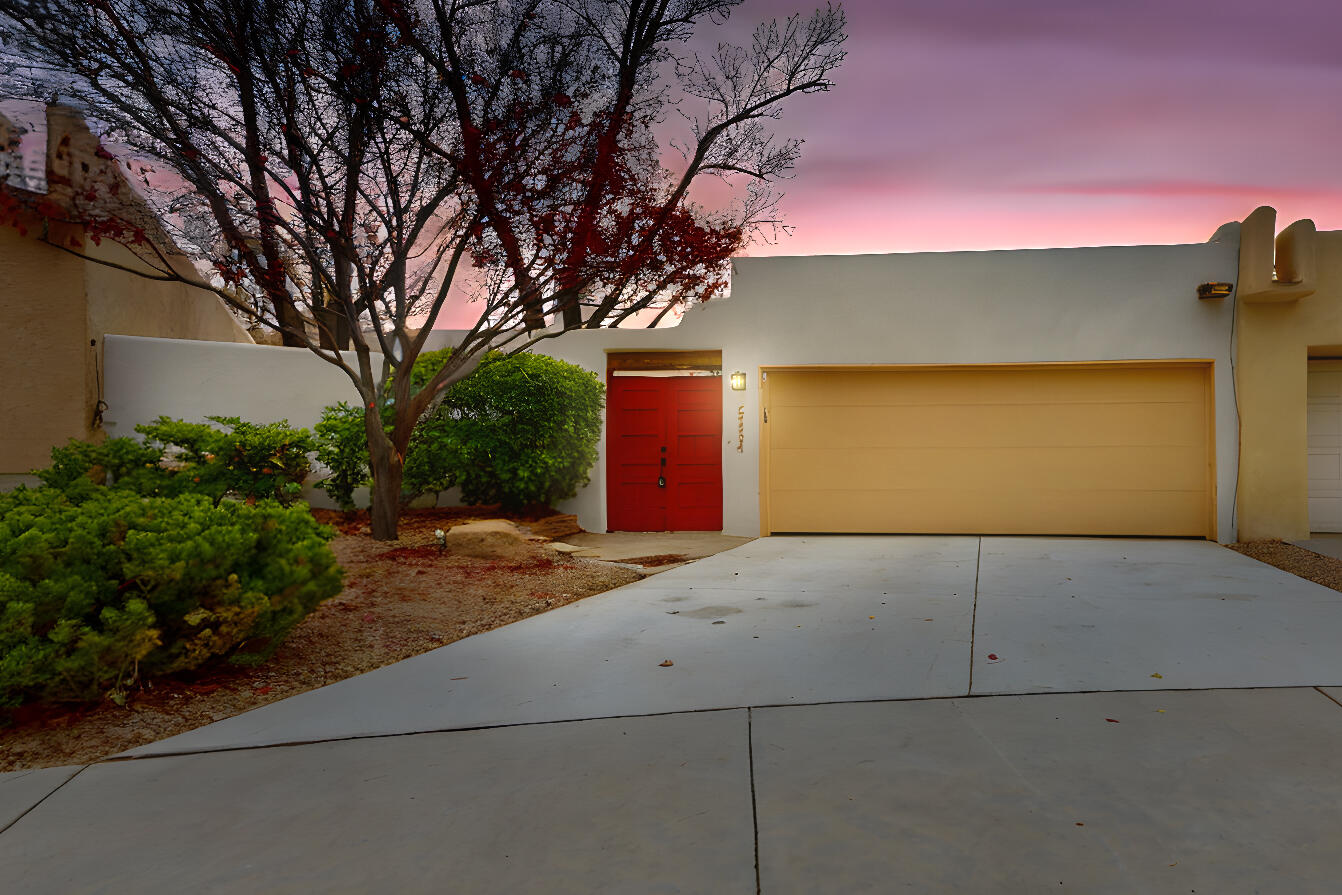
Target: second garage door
x=1084 y=449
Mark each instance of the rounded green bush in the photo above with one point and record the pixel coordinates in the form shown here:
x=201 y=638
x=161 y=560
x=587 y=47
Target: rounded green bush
x=520 y=429
x=99 y=586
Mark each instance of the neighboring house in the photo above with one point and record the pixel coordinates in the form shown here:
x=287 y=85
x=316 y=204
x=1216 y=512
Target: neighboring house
x=1289 y=379
x=58 y=307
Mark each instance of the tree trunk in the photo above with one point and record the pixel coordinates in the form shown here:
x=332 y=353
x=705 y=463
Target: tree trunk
x=289 y=319
x=386 y=511
x=334 y=331
x=387 y=466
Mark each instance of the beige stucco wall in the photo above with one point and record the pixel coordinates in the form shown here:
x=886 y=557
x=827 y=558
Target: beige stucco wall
x=59 y=308
x=46 y=352
x=131 y=305
x=1278 y=324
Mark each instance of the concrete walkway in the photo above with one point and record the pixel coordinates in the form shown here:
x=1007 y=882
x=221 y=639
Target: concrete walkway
x=823 y=728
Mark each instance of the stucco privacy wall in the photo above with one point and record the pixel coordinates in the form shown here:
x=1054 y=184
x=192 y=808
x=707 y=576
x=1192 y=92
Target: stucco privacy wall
x=1115 y=303
x=149 y=377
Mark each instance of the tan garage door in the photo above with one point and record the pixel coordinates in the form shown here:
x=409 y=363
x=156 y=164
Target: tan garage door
x=1085 y=449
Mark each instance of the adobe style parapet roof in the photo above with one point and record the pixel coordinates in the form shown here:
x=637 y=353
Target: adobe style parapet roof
x=1227 y=231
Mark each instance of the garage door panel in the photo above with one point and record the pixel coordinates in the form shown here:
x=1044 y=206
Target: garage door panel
x=1013 y=425
x=1104 y=450
x=984 y=470
x=1023 y=513
x=1114 y=383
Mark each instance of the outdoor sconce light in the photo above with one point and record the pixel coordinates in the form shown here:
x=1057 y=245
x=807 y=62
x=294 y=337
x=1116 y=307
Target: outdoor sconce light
x=738 y=381
x=1214 y=290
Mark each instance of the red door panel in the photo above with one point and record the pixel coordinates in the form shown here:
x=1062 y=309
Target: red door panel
x=668 y=427
x=633 y=456
x=695 y=481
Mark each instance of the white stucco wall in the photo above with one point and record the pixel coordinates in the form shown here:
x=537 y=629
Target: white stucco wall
x=1089 y=304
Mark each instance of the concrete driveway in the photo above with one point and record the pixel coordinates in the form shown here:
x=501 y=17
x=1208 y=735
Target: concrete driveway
x=827 y=723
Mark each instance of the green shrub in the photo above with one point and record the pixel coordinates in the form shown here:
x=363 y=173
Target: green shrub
x=520 y=429
x=243 y=459
x=101 y=585
x=342 y=447
x=124 y=462
x=253 y=461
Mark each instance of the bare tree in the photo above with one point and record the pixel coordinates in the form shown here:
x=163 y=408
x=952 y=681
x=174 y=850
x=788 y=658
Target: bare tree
x=340 y=164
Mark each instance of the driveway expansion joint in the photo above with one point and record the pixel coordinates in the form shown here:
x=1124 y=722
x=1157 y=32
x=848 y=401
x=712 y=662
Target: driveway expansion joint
x=33 y=806
x=974 y=615
x=754 y=805
x=118 y=759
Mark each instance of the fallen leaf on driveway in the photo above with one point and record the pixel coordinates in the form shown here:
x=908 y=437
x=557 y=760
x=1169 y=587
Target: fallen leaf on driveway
x=666 y=664
x=1112 y=720
x=992 y=657
x=458 y=678
x=1159 y=675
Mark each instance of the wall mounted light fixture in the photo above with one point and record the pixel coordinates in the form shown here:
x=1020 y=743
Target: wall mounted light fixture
x=1215 y=290
x=738 y=381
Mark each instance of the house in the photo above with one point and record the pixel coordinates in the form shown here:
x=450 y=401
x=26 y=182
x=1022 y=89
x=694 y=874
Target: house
x=1060 y=391
x=57 y=307
x=1085 y=391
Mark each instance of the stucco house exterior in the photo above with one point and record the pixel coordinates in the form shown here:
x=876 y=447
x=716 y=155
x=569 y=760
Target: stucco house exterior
x=1086 y=391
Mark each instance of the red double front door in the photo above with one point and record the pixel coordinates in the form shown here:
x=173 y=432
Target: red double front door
x=664 y=453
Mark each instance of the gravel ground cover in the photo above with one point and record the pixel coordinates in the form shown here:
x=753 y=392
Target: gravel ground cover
x=1307 y=564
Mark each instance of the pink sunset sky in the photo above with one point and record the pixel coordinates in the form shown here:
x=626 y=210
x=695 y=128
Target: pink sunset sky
x=984 y=124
